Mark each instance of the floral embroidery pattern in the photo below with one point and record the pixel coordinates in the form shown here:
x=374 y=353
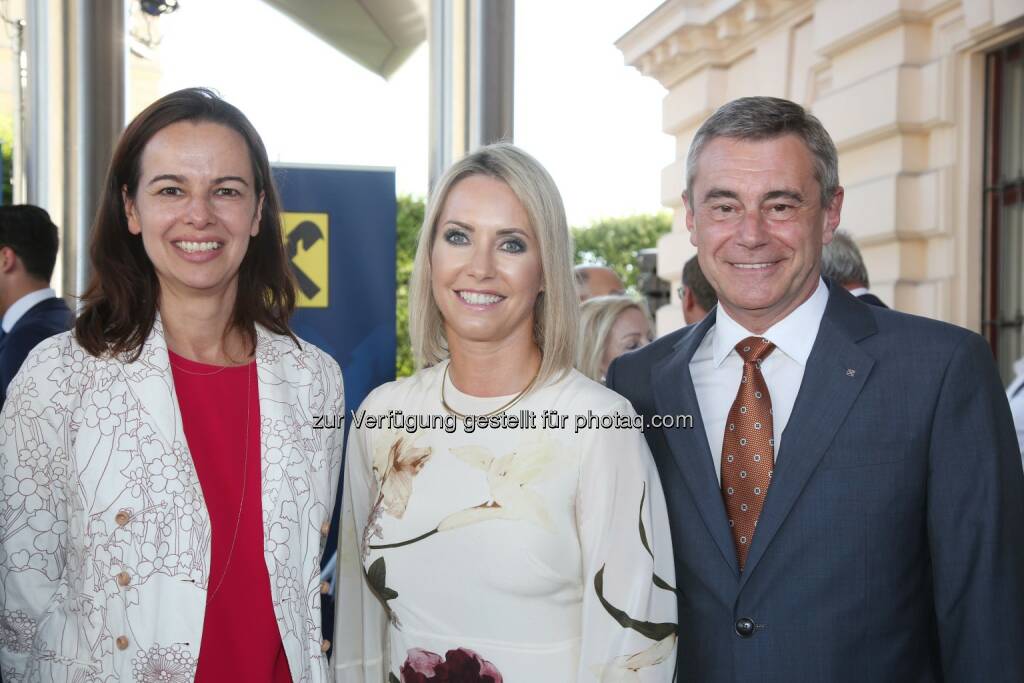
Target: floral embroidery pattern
x=507 y=477
x=17 y=630
x=626 y=669
x=394 y=466
x=458 y=666
x=96 y=445
x=172 y=664
x=404 y=461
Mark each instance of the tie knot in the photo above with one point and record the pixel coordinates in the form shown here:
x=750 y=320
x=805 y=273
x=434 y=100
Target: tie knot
x=753 y=349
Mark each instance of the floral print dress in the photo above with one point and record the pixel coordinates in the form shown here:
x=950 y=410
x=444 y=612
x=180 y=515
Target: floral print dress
x=532 y=553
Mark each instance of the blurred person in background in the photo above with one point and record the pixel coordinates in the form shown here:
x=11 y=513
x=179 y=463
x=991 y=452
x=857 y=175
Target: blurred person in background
x=31 y=310
x=696 y=293
x=165 y=495
x=842 y=263
x=609 y=327
x=594 y=281
x=483 y=550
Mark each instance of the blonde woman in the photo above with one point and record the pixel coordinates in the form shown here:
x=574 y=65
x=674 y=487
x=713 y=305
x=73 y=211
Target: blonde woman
x=487 y=534
x=609 y=327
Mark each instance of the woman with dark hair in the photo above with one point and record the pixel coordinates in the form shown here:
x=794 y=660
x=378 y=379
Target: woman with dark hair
x=165 y=497
x=487 y=535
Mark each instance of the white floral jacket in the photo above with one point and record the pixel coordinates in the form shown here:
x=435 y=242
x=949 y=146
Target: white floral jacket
x=99 y=490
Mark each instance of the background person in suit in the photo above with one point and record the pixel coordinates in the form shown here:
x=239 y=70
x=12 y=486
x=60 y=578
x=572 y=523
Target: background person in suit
x=842 y=263
x=31 y=310
x=849 y=505
x=696 y=293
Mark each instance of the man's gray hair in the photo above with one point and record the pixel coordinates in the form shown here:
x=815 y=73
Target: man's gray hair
x=767 y=118
x=842 y=263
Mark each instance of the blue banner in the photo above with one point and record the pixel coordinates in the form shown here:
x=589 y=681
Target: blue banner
x=339 y=234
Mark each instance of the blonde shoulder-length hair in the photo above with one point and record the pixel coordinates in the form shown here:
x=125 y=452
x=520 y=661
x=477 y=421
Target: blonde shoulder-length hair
x=556 y=310
x=597 y=315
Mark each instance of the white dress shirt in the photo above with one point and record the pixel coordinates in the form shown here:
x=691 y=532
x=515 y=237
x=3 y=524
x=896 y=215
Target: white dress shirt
x=716 y=367
x=22 y=306
x=1015 y=394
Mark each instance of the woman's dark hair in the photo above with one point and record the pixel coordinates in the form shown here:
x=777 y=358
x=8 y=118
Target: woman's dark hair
x=120 y=303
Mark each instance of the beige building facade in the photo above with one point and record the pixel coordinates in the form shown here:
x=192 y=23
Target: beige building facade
x=923 y=99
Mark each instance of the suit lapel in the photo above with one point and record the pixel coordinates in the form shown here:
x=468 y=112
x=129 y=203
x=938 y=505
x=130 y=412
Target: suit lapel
x=835 y=374
x=674 y=395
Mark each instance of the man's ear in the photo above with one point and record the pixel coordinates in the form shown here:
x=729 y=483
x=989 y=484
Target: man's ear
x=134 y=226
x=832 y=214
x=8 y=260
x=688 y=207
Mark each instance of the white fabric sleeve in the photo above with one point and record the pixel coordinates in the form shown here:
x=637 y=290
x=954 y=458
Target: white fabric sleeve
x=360 y=621
x=629 y=619
x=34 y=445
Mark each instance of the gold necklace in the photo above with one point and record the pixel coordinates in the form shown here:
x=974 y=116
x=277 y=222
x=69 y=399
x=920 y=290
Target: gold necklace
x=515 y=399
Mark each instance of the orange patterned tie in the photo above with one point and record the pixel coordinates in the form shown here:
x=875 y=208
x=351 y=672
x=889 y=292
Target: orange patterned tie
x=748 y=450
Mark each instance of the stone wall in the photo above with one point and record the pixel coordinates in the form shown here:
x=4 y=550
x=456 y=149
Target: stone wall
x=900 y=86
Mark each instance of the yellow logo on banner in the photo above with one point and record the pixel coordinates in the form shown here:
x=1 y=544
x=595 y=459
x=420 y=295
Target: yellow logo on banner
x=305 y=242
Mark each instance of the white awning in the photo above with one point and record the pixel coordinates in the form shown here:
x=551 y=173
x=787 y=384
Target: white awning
x=378 y=34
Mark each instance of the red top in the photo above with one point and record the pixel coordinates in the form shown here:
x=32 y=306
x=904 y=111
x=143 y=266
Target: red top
x=241 y=640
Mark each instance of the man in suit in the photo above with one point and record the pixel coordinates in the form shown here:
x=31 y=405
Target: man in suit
x=31 y=310
x=849 y=503
x=842 y=263
x=696 y=293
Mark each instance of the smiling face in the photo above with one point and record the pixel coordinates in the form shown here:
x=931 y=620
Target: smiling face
x=485 y=264
x=196 y=207
x=756 y=218
x=629 y=332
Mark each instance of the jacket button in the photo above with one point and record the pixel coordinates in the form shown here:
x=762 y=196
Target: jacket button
x=121 y=642
x=324 y=587
x=122 y=518
x=744 y=627
x=325 y=646
x=325 y=528
x=124 y=578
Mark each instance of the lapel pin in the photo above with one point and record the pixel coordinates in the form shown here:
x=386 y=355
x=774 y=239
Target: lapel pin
x=850 y=372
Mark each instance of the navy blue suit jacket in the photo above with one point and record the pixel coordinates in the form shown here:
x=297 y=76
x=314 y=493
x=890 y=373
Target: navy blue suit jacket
x=891 y=543
x=870 y=298
x=43 y=320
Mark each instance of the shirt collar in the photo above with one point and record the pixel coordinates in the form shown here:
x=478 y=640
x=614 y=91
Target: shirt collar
x=1018 y=369
x=857 y=291
x=22 y=306
x=794 y=335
